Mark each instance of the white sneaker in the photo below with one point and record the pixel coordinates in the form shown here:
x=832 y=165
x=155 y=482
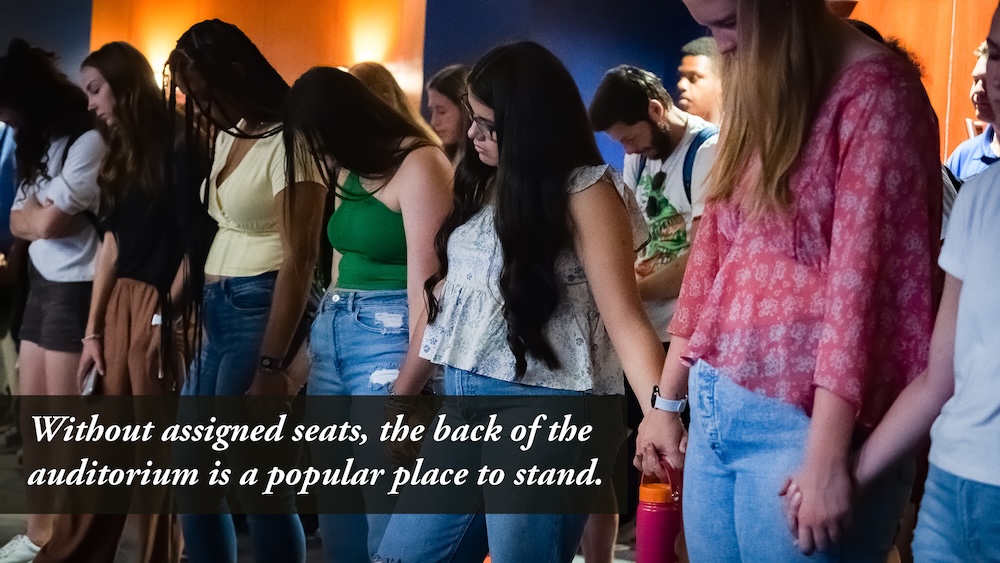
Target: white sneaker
x=19 y=550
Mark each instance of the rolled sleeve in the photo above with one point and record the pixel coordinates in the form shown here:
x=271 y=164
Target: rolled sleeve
x=75 y=188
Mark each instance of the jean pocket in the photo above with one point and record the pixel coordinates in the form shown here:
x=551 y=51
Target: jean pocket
x=251 y=299
x=383 y=320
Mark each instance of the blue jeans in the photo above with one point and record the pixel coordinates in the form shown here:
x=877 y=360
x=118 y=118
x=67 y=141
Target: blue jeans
x=357 y=345
x=234 y=316
x=959 y=520
x=458 y=538
x=741 y=448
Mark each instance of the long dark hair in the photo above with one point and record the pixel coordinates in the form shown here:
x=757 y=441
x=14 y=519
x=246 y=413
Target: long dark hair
x=48 y=105
x=237 y=82
x=140 y=139
x=334 y=114
x=543 y=134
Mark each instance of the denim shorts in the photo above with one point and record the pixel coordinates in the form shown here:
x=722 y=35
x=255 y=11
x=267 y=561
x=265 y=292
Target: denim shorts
x=55 y=314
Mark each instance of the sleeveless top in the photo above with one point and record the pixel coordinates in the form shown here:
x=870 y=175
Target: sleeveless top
x=370 y=238
x=470 y=332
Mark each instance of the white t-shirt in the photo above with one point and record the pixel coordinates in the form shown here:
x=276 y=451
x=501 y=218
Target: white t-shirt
x=669 y=235
x=965 y=438
x=73 y=189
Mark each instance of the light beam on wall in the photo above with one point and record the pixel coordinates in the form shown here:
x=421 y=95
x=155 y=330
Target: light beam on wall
x=370 y=38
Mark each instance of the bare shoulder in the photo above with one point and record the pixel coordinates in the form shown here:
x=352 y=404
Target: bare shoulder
x=425 y=157
x=858 y=47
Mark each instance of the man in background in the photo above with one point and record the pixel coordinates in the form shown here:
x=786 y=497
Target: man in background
x=669 y=154
x=976 y=154
x=699 y=82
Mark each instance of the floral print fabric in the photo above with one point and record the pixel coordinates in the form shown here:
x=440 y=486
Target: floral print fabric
x=470 y=332
x=836 y=293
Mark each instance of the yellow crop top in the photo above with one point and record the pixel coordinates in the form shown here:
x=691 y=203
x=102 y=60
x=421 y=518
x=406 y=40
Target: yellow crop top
x=248 y=242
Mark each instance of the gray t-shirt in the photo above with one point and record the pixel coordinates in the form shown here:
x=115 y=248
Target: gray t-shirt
x=73 y=189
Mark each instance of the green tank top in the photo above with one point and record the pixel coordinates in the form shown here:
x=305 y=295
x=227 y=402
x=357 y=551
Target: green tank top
x=370 y=238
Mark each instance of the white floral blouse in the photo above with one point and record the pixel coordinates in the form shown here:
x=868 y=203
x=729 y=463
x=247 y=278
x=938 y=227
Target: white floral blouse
x=470 y=333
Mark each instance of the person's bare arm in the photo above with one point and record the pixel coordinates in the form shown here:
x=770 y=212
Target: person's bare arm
x=909 y=419
x=664 y=282
x=300 y=227
x=104 y=281
x=604 y=244
x=36 y=221
x=425 y=202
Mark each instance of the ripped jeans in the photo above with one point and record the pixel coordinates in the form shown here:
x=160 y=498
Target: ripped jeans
x=357 y=344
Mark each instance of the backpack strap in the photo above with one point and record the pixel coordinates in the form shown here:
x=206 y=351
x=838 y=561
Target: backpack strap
x=642 y=167
x=688 y=171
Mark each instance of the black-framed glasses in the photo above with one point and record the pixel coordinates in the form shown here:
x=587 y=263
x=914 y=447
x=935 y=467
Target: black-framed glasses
x=485 y=126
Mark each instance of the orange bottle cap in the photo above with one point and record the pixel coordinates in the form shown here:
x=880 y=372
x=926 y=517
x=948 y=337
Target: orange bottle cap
x=659 y=493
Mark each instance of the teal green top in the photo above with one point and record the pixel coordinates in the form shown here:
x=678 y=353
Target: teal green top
x=370 y=238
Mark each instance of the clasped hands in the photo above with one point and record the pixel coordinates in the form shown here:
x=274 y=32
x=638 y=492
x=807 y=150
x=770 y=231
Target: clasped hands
x=817 y=500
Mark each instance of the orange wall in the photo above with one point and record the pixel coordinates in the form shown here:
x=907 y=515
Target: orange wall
x=943 y=34
x=294 y=35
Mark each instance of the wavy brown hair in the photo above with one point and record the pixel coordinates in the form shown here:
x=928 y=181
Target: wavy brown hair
x=378 y=79
x=774 y=85
x=138 y=140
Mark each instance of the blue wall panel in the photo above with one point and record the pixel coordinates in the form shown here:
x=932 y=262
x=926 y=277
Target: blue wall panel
x=61 y=26
x=590 y=36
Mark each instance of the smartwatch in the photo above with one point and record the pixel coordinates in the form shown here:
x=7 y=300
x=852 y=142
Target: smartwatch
x=667 y=405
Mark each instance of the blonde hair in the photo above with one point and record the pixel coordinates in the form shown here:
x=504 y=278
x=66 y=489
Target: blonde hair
x=773 y=88
x=379 y=80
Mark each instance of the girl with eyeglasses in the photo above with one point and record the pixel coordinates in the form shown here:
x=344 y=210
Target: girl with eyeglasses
x=535 y=295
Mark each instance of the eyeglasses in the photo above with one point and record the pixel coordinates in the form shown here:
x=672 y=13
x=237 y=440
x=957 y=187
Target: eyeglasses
x=485 y=126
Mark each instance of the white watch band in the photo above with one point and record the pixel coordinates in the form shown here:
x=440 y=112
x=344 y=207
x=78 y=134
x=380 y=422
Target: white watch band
x=667 y=405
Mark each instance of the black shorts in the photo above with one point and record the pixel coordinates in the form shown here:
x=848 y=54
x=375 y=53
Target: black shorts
x=55 y=316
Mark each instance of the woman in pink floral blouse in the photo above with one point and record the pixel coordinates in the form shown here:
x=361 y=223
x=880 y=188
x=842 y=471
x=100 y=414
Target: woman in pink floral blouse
x=807 y=302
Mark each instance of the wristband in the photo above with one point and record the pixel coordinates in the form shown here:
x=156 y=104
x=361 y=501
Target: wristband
x=271 y=364
x=667 y=405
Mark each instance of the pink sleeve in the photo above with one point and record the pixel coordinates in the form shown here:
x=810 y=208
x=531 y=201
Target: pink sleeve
x=877 y=316
x=699 y=276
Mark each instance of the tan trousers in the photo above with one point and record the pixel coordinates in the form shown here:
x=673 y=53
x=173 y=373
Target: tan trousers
x=132 y=366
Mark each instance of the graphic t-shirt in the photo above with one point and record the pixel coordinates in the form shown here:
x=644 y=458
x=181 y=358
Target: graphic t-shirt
x=661 y=196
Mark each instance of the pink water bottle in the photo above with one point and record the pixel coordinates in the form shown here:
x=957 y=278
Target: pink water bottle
x=658 y=520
